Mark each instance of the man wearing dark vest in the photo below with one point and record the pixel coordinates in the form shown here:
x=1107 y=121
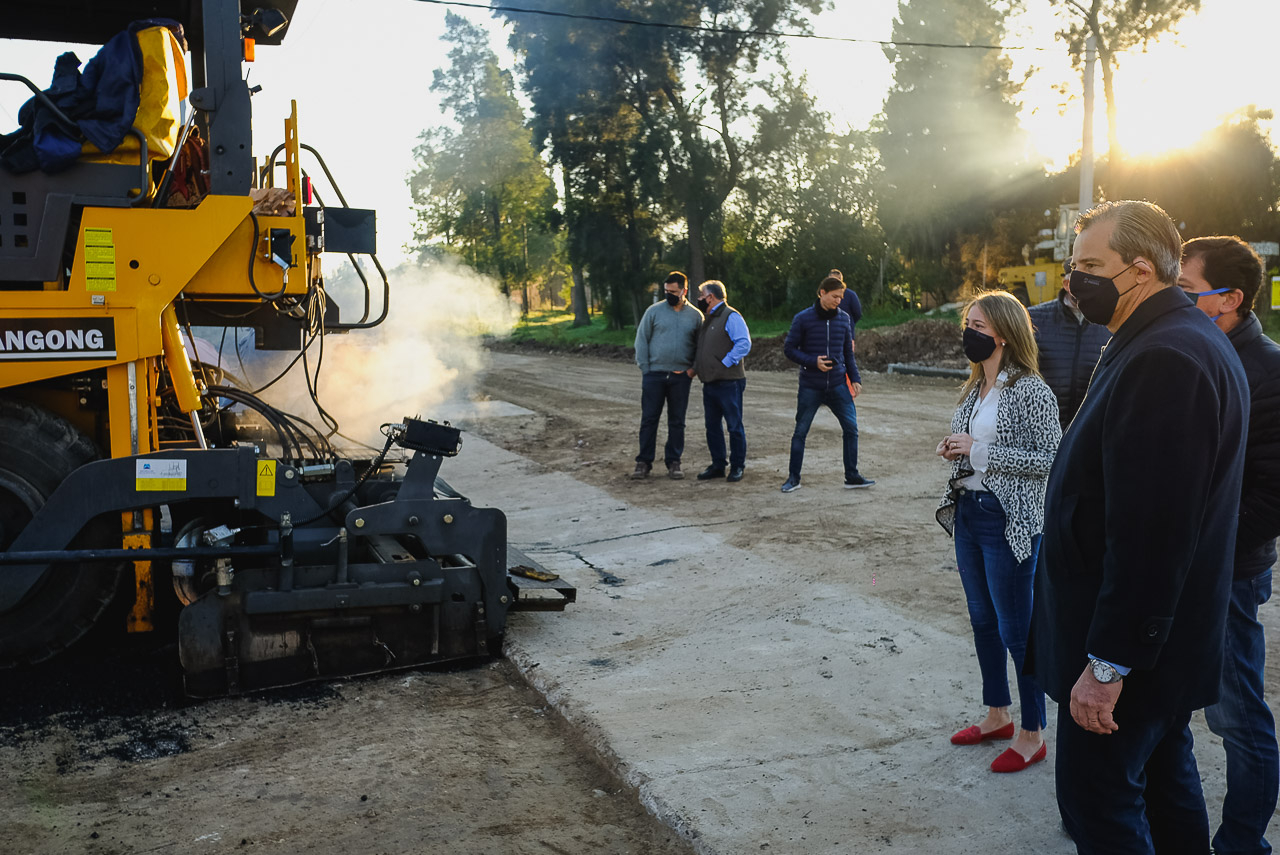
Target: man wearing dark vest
x=723 y=342
x=1069 y=348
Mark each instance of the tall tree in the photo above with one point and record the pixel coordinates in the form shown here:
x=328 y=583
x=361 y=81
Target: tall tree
x=574 y=72
x=703 y=147
x=805 y=205
x=481 y=189
x=949 y=137
x=691 y=89
x=1117 y=26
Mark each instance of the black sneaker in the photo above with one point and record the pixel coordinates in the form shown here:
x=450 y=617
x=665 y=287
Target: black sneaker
x=791 y=486
x=710 y=472
x=857 y=483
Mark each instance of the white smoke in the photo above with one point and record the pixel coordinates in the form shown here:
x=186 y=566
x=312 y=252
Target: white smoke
x=423 y=359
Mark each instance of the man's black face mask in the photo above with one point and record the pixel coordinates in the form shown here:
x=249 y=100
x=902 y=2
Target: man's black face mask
x=1097 y=296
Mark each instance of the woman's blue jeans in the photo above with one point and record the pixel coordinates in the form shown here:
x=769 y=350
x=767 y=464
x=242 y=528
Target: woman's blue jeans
x=998 y=589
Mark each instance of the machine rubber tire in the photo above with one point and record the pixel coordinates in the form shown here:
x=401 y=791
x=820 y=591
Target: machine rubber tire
x=38 y=450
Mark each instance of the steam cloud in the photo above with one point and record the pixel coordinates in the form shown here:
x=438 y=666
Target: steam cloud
x=425 y=357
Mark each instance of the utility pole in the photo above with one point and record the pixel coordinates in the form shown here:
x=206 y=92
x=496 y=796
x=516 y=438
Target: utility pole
x=1086 y=145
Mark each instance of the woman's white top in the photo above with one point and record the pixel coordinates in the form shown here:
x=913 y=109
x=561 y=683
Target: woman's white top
x=982 y=427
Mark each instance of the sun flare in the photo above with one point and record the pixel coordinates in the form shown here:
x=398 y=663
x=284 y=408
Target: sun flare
x=1185 y=84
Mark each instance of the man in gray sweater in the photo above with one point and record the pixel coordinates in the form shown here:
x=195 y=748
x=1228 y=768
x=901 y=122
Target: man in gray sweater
x=665 y=341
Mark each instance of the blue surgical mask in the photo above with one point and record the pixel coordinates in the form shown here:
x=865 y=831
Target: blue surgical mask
x=1208 y=294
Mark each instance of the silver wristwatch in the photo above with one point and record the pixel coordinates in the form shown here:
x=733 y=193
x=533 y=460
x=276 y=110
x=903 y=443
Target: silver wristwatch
x=1104 y=673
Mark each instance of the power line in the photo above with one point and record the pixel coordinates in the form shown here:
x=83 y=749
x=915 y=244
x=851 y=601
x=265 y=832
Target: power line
x=636 y=22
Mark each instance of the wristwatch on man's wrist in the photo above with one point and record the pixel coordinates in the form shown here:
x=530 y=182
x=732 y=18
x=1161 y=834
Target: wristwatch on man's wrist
x=1104 y=673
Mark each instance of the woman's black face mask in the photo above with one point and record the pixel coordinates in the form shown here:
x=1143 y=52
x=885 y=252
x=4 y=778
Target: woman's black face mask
x=978 y=346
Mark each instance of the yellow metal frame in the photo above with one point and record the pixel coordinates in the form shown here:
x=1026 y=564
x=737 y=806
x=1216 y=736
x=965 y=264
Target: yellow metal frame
x=1025 y=275
x=131 y=265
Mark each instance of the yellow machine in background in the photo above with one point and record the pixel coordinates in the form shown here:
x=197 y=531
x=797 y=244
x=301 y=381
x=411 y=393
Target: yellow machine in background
x=1040 y=278
x=130 y=476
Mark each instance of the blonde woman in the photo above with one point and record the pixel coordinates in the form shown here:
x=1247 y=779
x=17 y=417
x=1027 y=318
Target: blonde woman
x=1003 y=437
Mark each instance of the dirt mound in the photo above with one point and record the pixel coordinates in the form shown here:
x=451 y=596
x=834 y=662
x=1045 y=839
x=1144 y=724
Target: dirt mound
x=922 y=342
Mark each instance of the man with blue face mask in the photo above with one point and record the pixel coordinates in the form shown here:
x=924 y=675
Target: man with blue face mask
x=1140 y=526
x=1223 y=275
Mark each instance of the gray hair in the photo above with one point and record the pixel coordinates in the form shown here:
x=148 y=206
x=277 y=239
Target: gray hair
x=714 y=287
x=1141 y=229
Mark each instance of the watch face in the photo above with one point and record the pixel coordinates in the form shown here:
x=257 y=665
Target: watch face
x=1103 y=673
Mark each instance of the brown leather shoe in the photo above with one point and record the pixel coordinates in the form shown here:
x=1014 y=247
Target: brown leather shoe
x=674 y=472
x=642 y=471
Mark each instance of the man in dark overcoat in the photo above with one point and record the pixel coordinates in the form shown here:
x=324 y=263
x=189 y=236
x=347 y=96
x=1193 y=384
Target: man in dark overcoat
x=1140 y=521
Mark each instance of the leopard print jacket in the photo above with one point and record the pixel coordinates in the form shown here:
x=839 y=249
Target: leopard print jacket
x=1027 y=437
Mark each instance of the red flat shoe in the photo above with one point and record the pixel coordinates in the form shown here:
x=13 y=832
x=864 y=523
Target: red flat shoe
x=1011 y=761
x=973 y=735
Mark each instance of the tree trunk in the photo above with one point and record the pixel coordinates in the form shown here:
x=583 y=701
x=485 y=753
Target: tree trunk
x=578 y=298
x=578 y=293
x=697 y=252
x=1114 y=155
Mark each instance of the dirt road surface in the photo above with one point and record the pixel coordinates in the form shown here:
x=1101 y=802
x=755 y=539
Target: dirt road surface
x=774 y=672
x=759 y=672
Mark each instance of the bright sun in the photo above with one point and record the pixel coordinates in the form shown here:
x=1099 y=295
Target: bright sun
x=1167 y=97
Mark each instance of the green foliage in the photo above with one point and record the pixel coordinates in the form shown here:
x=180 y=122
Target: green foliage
x=641 y=126
x=805 y=207
x=949 y=141
x=555 y=326
x=1226 y=183
x=481 y=191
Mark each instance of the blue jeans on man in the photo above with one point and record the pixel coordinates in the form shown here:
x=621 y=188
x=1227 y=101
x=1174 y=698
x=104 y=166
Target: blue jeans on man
x=840 y=402
x=1244 y=721
x=998 y=589
x=722 y=402
x=658 y=389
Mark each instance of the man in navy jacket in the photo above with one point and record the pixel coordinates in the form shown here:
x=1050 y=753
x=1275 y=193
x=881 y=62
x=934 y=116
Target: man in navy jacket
x=1140 y=526
x=821 y=342
x=1069 y=349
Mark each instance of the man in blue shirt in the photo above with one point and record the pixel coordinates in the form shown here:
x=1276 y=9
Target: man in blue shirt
x=723 y=342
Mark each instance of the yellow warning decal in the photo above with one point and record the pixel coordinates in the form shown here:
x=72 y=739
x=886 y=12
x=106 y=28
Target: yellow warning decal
x=98 y=237
x=266 y=477
x=100 y=260
x=158 y=475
